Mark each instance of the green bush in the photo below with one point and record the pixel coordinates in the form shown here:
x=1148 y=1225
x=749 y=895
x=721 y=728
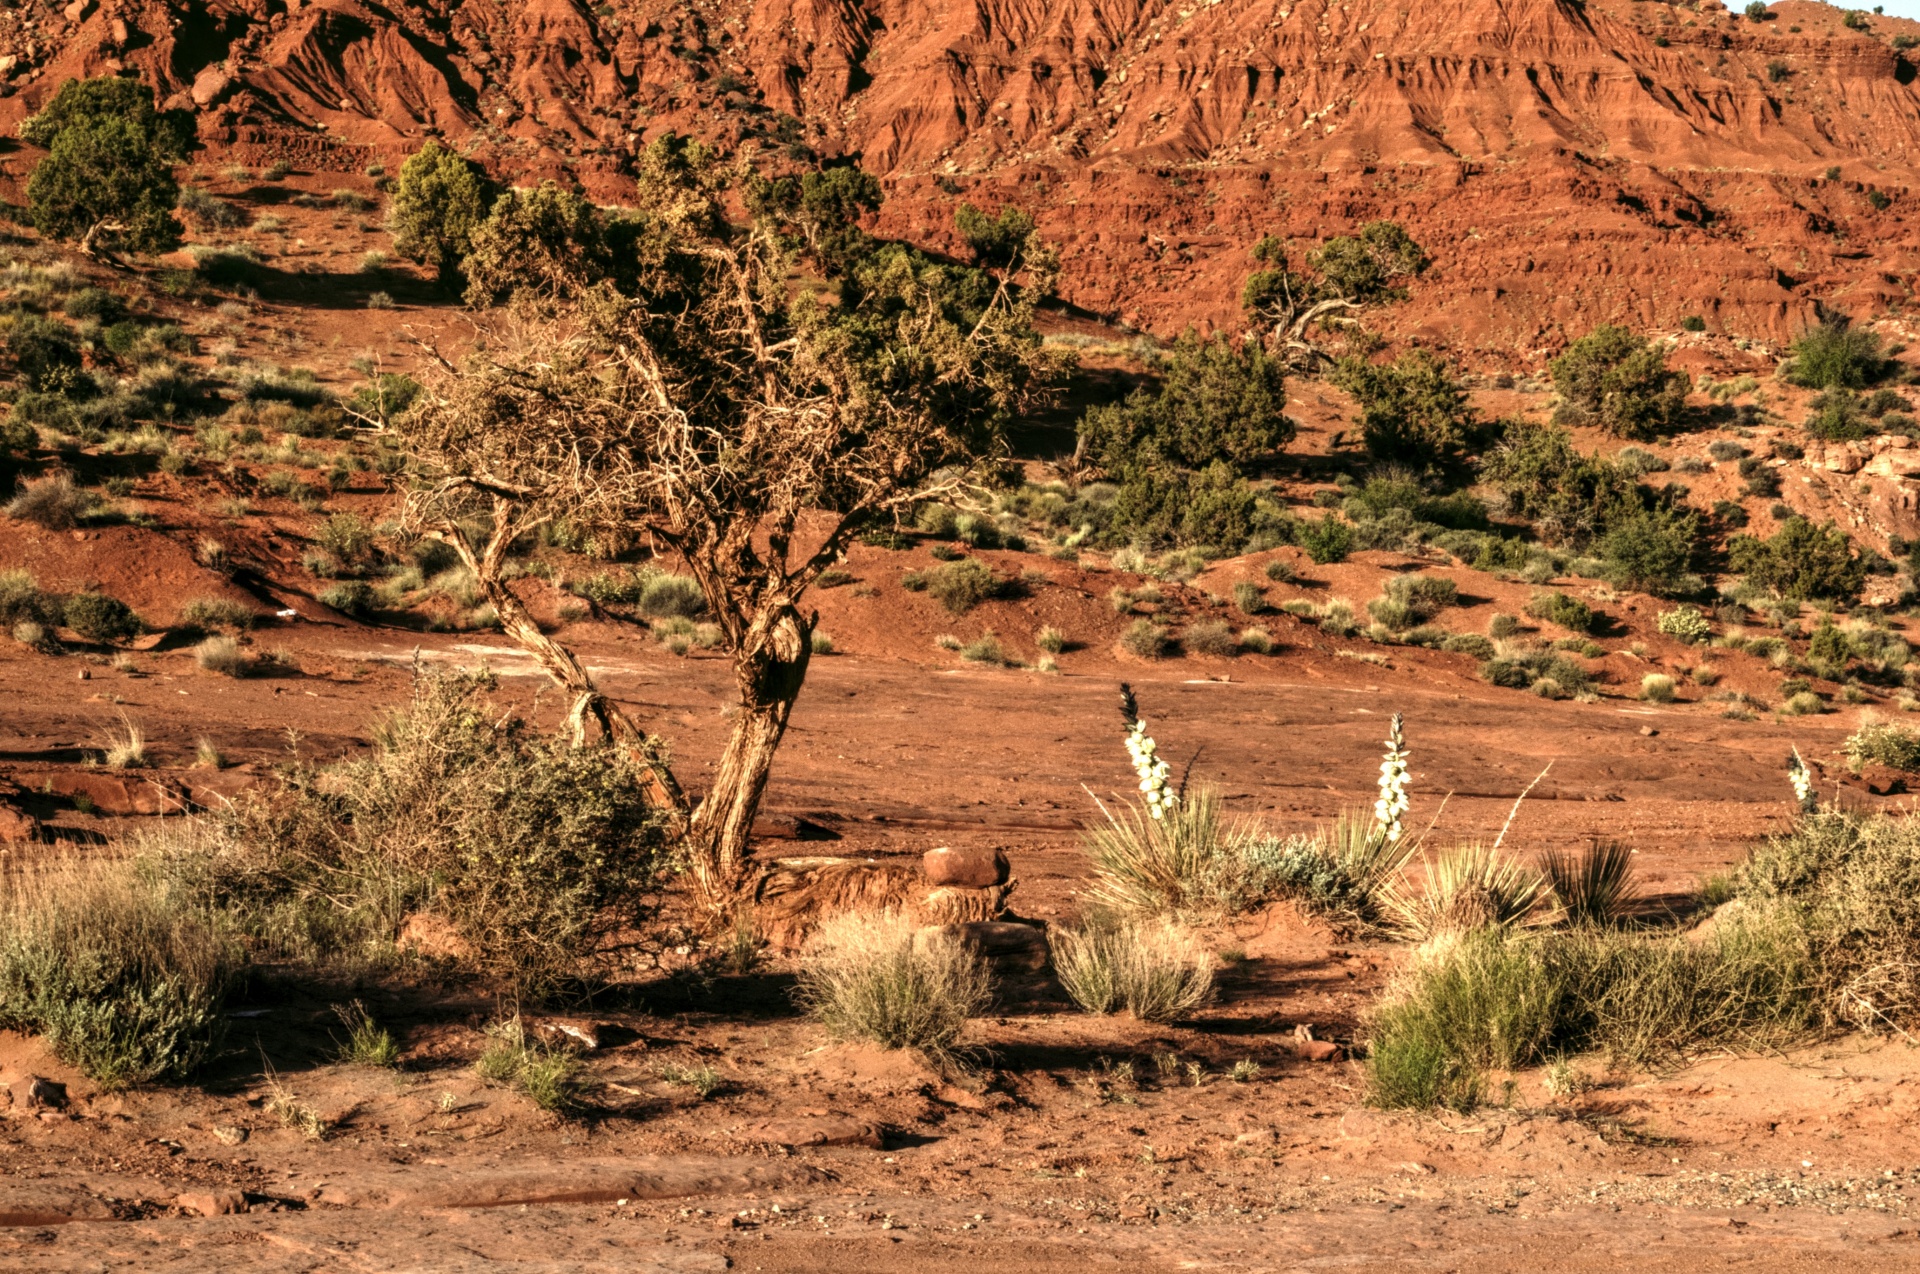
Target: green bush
x=1884 y=743
x=541 y=245
x=1836 y=416
x=663 y=596
x=1326 y=541
x=124 y=977
x=1214 y=401
x=1346 y=870
x=1617 y=381
x=1651 y=549
x=539 y=854
x=1685 y=623
x=351 y=597
x=98 y=617
x=1801 y=561
x=1568 y=497
x=438 y=201
x=1412 y=410
x=1146 y=639
x=1570 y=613
x=1544 y=672
x=961 y=585
x=1835 y=355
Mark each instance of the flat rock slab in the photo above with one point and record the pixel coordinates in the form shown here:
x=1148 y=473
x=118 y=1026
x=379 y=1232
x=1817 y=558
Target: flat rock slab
x=580 y=1181
x=32 y=1205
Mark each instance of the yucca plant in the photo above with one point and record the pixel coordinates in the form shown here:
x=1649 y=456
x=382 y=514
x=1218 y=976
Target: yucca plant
x=1178 y=862
x=1597 y=886
x=1468 y=888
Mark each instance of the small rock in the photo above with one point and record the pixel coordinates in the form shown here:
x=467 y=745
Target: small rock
x=1648 y=731
x=1138 y=1212
x=78 y=10
x=212 y=1202
x=1411 y=1168
x=1322 y=1051
x=85 y=675
x=1256 y=1137
x=966 y=868
x=562 y=1032
x=824 y=1132
x=17 y=826
x=230 y=1134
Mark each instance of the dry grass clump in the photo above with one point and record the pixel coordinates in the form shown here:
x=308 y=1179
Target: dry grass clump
x=121 y=973
x=56 y=502
x=215 y=614
x=874 y=976
x=1468 y=888
x=1146 y=640
x=1185 y=861
x=221 y=655
x=125 y=749
x=1657 y=687
x=1157 y=970
x=1210 y=637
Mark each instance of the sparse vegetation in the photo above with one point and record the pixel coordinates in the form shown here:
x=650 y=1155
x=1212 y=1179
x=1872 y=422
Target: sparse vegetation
x=1616 y=380
x=1155 y=970
x=873 y=976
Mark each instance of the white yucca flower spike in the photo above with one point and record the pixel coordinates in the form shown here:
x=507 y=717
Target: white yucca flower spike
x=1153 y=771
x=1392 y=805
x=1802 y=780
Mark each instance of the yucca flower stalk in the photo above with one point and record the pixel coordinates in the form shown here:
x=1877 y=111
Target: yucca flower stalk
x=1393 y=804
x=1155 y=791
x=1802 y=780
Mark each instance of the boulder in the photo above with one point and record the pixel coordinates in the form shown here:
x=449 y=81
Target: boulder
x=1011 y=949
x=965 y=868
x=79 y=10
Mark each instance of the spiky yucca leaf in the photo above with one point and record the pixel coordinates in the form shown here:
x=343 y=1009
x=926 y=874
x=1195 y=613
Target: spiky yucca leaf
x=1596 y=887
x=1468 y=888
x=1167 y=865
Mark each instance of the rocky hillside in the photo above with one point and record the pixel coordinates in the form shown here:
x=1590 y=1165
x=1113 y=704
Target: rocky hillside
x=1564 y=162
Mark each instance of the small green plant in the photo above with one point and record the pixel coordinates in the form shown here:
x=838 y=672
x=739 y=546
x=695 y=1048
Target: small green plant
x=1050 y=640
x=1657 y=687
x=703 y=1079
x=984 y=649
x=820 y=643
x=1156 y=970
x=1884 y=743
x=1569 y=613
x=548 y=1076
x=1597 y=887
x=963 y=584
x=367 y=1043
x=284 y=1105
x=1210 y=637
x=1250 y=598
x=221 y=655
x=873 y=976
x=1685 y=623
x=98 y=617
x=1281 y=571
x=1326 y=541
x=1146 y=640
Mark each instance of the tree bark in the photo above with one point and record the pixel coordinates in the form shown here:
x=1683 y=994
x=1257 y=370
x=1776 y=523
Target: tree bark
x=658 y=784
x=769 y=673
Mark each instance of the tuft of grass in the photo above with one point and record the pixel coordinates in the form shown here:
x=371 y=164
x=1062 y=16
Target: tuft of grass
x=1281 y=571
x=1570 y=613
x=56 y=503
x=1344 y=871
x=548 y=1076
x=126 y=749
x=221 y=655
x=1050 y=640
x=820 y=643
x=367 y=1043
x=1657 y=687
x=1468 y=888
x=216 y=614
x=1250 y=598
x=984 y=649
x=1185 y=861
x=1256 y=640
x=283 y=1104
x=1595 y=888
x=1210 y=637
x=703 y=1079
x=207 y=755
x=872 y=976
x=961 y=585
x=1156 y=970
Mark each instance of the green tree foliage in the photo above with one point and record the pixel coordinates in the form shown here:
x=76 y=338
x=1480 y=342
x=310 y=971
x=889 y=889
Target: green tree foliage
x=1616 y=380
x=1344 y=274
x=1179 y=450
x=1568 y=497
x=1801 y=561
x=543 y=246
x=1412 y=410
x=438 y=201
x=1837 y=416
x=1836 y=355
x=108 y=175
x=996 y=243
x=824 y=209
x=1651 y=549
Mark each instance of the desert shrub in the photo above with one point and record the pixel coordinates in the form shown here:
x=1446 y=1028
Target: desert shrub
x=549 y=1076
x=213 y=613
x=1385 y=494
x=108 y=173
x=1468 y=644
x=367 y=1043
x=1342 y=871
x=1616 y=380
x=1050 y=640
x=207 y=212
x=1725 y=449
x=1528 y=670
x=1412 y=410
x=1467 y=888
x=347 y=537
x=1596 y=887
x=98 y=617
x=1328 y=540
x=1568 y=497
x=1801 y=561
x=1257 y=640
x=1146 y=639
x=353 y=597
x=538 y=854
x=1210 y=637
x=1884 y=743
x=22 y=602
x=1657 y=687
x=1281 y=571
x=1185 y=862
x=1847 y=884
x=1684 y=623
x=1834 y=416
x=1570 y=613
x=1250 y=598
x=438 y=201
x=663 y=596
x=1835 y=355
x=1214 y=401
x=541 y=245
x=124 y=977
x=872 y=976
x=1155 y=970
x=963 y=584
x=56 y=502
x=1650 y=549
x=1422 y=596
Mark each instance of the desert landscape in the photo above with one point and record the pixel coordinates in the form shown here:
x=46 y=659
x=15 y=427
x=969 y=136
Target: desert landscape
x=860 y=637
